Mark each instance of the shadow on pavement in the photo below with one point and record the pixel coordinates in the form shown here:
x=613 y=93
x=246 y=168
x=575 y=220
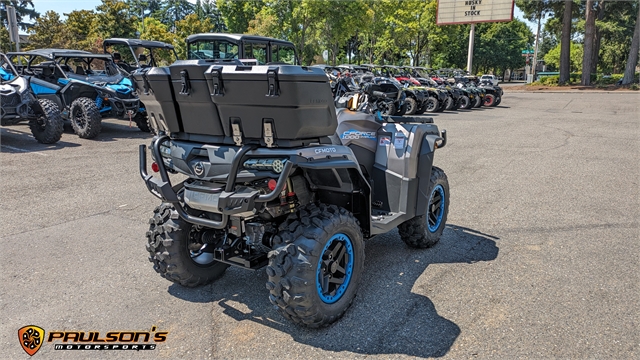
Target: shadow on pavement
x=387 y=317
x=15 y=141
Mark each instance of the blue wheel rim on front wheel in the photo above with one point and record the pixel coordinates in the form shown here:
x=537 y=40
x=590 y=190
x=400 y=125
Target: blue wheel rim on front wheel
x=335 y=268
x=435 y=212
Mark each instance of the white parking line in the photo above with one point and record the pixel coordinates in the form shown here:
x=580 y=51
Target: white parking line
x=23 y=150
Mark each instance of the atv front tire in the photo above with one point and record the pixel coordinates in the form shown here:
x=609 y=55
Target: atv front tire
x=85 y=118
x=498 y=100
x=412 y=106
x=168 y=241
x=315 y=270
x=431 y=105
x=48 y=125
x=424 y=231
x=142 y=121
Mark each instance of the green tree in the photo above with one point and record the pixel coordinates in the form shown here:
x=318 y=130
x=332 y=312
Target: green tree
x=5 y=42
x=156 y=30
x=114 y=19
x=79 y=30
x=48 y=32
x=207 y=9
x=499 y=45
x=238 y=13
x=552 y=58
x=24 y=10
x=173 y=11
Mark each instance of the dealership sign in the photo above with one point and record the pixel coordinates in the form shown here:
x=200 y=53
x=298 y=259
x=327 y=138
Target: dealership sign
x=473 y=11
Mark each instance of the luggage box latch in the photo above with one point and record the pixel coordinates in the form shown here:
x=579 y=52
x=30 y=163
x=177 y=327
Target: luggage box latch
x=237 y=133
x=272 y=78
x=268 y=134
x=186 y=85
x=216 y=81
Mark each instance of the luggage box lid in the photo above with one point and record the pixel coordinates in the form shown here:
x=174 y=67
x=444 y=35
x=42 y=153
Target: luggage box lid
x=292 y=73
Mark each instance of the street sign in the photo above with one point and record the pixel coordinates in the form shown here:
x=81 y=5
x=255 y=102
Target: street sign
x=527 y=52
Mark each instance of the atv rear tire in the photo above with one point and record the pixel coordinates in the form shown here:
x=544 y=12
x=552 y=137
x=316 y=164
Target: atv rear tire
x=424 y=231
x=489 y=100
x=431 y=105
x=315 y=270
x=387 y=108
x=85 y=118
x=465 y=102
x=168 y=241
x=48 y=126
x=412 y=106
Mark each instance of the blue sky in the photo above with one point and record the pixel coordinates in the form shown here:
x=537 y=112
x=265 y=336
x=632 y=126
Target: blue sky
x=66 y=6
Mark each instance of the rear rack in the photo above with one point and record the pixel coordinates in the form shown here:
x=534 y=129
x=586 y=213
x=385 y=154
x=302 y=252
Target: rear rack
x=229 y=203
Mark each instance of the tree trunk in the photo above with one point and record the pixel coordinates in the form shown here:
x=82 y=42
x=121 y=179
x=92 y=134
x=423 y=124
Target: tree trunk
x=632 y=60
x=589 y=34
x=598 y=37
x=565 y=47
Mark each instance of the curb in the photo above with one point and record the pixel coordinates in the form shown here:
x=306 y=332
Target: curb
x=575 y=91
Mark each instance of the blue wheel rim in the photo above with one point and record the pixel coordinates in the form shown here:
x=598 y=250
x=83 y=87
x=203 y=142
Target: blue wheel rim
x=335 y=268
x=436 y=208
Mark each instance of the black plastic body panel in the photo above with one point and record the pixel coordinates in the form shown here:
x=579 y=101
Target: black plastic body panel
x=156 y=93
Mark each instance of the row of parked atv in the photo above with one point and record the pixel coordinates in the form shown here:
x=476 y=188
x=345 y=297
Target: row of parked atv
x=406 y=90
x=47 y=87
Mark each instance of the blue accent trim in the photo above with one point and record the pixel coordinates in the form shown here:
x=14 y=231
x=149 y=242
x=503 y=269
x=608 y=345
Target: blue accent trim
x=62 y=81
x=126 y=82
x=105 y=109
x=5 y=75
x=326 y=298
x=438 y=188
x=39 y=89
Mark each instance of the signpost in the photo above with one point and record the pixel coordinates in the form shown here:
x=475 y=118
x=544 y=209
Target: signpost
x=471 y=12
x=13 y=26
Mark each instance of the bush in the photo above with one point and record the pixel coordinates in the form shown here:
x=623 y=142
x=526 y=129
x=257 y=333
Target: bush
x=550 y=80
x=608 y=79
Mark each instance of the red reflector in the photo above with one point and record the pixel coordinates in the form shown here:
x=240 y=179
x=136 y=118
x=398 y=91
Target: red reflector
x=272 y=184
x=155 y=167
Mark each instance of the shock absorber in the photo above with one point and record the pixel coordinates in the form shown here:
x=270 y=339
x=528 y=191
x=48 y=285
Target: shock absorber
x=99 y=101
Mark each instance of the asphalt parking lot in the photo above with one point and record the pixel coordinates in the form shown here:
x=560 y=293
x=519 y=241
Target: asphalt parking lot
x=539 y=258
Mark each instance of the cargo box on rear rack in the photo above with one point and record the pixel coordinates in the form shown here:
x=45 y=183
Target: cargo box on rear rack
x=156 y=93
x=199 y=114
x=273 y=104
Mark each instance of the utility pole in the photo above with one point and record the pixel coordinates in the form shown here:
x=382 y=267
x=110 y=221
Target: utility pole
x=535 y=51
x=472 y=34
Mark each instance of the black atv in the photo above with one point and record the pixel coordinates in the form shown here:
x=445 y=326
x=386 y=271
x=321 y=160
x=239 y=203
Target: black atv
x=277 y=179
x=18 y=104
x=494 y=93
